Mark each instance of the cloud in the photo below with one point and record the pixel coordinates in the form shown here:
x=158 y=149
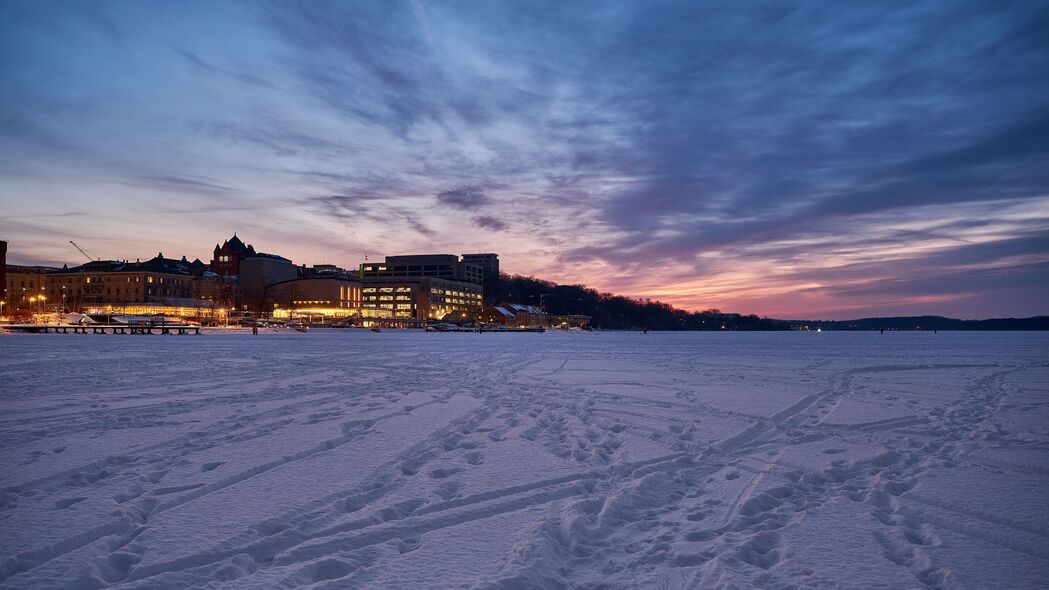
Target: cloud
x=199 y=63
x=491 y=223
x=280 y=138
x=468 y=197
x=185 y=183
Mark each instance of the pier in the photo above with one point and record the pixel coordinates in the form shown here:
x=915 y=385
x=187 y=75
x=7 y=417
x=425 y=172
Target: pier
x=103 y=329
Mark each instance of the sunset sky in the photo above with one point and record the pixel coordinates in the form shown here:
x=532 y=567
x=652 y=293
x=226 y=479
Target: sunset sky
x=790 y=159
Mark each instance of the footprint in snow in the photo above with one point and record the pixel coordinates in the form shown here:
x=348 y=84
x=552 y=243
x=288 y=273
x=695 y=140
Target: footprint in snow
x=211 y=466
x=443 y=472
x=407 y=545
x=450 y=489
x=732 y=475
x=66 y=503
x=156 y=476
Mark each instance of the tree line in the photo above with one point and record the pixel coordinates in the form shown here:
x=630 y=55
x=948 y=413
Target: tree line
x=616 y=312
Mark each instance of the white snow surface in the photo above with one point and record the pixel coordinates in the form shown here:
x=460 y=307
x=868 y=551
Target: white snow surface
x=403 y=459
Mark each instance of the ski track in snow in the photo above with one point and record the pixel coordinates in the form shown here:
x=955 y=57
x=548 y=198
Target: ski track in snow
x=606 y=460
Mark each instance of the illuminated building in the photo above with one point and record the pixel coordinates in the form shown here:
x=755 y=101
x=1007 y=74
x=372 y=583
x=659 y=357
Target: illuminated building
x=24 y=285
x=420 y=298
x=315 y=296
x=121 y=286
x=408 y=299
x=422 y=287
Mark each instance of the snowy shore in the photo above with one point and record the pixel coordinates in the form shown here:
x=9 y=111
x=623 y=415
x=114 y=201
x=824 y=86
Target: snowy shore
x=350 y=459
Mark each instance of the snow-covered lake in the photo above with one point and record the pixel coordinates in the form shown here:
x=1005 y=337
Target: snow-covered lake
x=411 y=460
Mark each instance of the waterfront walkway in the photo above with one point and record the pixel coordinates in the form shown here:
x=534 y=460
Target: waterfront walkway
x=103 y=329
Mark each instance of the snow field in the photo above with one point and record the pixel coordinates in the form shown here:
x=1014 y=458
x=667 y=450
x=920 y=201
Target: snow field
x=411 y=460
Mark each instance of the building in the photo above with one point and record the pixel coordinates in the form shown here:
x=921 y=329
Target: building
x=422 y=287
x=226 y=258
x=489 y=264
x=326 y=271
x=157 y=286
x=215 y=290
x=420 y=298
x=332 y=297
x=438 y=266
x=257 y=273
x=26 y=288
x=515 y=315
x=575 y=320
x=417 y=299
x=3 y=272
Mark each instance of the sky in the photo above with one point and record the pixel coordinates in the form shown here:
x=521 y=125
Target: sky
x=791 y=159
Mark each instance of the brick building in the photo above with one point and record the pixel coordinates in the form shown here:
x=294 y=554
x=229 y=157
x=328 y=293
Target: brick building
x=226 y=258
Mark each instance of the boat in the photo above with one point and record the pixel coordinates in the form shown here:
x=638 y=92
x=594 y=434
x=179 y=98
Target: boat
x=376 y=329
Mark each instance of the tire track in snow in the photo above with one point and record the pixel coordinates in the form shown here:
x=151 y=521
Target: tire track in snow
x=140 y=515
x=369 y=531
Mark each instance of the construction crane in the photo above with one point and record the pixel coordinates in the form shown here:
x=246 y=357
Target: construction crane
x=82 y=251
